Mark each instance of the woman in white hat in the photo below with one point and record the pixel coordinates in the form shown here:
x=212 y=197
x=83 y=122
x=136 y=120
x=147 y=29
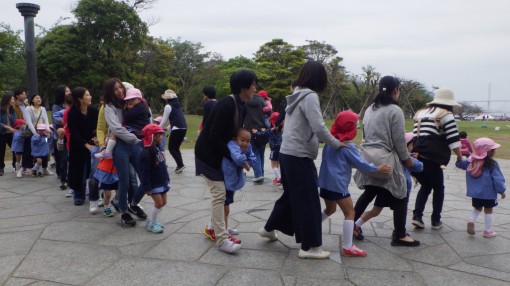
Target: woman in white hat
x=436 y=135
x=173 y=112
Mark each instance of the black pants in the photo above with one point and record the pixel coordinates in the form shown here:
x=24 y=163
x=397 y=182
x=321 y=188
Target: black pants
x=5 y=139
x=27 y=161
x=298 y=211
x=174 y=143
x=431 y=178
x=61 y=158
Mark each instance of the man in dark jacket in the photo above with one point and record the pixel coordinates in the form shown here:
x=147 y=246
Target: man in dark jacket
x=255 y=120
x=211 y=146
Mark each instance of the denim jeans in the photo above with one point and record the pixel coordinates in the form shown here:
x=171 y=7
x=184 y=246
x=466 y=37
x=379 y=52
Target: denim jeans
x=126 y=157
x=258 y=166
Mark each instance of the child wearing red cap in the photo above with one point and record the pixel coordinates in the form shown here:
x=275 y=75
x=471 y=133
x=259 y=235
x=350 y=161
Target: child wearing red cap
x=275 y=142
x=154 y=179
x=17 y=145
x=484 y=182
x=335 y=175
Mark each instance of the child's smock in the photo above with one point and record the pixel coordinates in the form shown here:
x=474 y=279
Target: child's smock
x=487 y=185
x=336 y=167
x=39 y=144
x=17 y=142
x=233 y=174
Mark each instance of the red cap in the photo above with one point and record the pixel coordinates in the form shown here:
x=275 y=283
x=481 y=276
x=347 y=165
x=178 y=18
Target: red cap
x=148 y=132
x=273 y=117
x=19 y=122
x=345 y=126
x=262 y=93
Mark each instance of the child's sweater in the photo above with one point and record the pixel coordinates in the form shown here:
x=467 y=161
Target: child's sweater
x=487 y=186
x=275 y=140
x=153 y=176
x=233 y=174
x=39 y=144
x=336 y=167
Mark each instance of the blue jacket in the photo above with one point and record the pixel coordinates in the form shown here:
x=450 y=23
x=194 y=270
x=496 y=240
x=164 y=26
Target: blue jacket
x=233 y=174
x=39 y=146
x=336 y=167
x=417 y=168
x=485 y=187
x=18 y=142
x=153 y=176
x=11 y=115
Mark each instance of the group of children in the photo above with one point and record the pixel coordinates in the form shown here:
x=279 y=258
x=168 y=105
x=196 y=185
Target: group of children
x=39 y=146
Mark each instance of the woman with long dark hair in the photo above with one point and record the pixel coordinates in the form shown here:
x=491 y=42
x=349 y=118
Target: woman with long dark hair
x=384 y=129
x=81 y=121
x=7 y=118
x=298 y=211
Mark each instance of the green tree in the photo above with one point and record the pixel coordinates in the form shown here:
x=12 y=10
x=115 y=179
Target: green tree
x=278 y=64
x=413 y=96
x=365 y=87
x=12 y=59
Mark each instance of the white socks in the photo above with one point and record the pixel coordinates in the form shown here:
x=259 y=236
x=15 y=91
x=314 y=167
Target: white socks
x=359 y=222
x=488 y=221
x=210 y=225
x=347 y=238
x=324 y=216
x=154 y=215
x=474 y=214
x=276 y=172
x=109 y=146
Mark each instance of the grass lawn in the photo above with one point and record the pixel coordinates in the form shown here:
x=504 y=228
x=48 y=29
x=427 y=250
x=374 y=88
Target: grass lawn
x=473 y=129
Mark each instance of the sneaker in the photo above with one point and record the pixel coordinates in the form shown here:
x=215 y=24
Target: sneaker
x=137 y=211
x=232 y=231
x=127 y=220
x=19 y=174
x=234 y=239
x=436 y=225
x=93 y=208
x=103 y=155
x=100 y=203
x=258 y=179
x=115 y=206
x=53 y=165
x=107 y=212
x=417 y=222
x=179 y=170
x=277 y=182
x=354 y=251
x=40 y=174
x=271 y=235
x=155 y=228
x=47 y=172
x=314 y=253
x=489 y=233
x=209 y=232
x=228 y=246
x=471 y=227
x=63 y=186
x=357 y=233
x=69 y=193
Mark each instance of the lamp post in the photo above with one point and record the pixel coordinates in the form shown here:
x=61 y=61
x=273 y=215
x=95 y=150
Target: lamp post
x=28 y=11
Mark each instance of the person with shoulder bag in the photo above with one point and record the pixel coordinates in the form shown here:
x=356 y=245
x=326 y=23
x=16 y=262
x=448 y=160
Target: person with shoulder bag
x=436 y=135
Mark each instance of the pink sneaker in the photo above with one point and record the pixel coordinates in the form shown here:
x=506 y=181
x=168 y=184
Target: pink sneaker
x=354 y=251
x=277 y=182
x=489 y=233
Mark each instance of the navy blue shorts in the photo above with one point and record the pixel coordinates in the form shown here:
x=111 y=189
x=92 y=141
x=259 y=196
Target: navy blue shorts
x=109 y=187
x=229 y=197
x=478 y=203
x=333 y=196
x=274 y=155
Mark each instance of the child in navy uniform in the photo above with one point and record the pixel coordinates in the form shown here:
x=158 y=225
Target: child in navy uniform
x=275 y=141
x=40 y=148
x=17 y=145
x=484 y=182
x=376 y=210
x=154 y=174
x=335 y=175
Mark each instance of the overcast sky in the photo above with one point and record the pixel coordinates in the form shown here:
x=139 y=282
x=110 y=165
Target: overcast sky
x=461 y=44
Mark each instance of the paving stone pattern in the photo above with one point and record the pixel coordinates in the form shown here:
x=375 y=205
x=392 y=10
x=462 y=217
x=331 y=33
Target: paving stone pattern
x=46 y=240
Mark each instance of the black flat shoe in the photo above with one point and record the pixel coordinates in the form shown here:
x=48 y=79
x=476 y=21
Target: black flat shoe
x=399 y=242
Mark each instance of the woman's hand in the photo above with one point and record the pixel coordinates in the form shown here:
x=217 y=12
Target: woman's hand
x=88 y=146
x=503 y=195
x=9 y=129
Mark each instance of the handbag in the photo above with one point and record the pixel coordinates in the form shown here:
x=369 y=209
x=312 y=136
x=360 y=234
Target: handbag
x=378 y=156
x=27 y=133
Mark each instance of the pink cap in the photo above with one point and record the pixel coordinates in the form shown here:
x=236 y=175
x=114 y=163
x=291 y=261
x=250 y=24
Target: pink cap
x=158 y=119
x=409 y=136
x=41 y=126
x=133 y=93
x=482 y=147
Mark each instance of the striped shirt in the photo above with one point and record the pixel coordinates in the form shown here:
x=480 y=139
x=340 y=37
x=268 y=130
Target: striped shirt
x=425 y=121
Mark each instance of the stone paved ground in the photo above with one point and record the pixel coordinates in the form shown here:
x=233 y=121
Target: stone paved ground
x=46 y=240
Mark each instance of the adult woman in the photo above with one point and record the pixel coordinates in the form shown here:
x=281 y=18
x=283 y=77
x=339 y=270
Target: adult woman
x=436 y=135
x=173 y=113
x=61 y=155
x=82 y=121
x=33 y=115
x=384 y=129
x=7 y=118
x=298 y=211
x=126 y=154
x=222 y=124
